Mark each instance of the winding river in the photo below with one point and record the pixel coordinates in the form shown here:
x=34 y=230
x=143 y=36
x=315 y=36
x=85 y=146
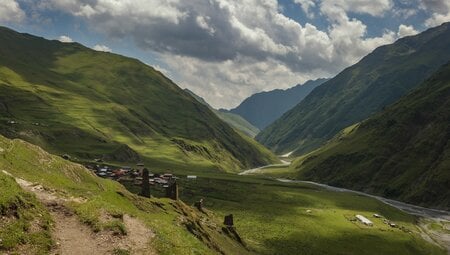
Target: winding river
x=429 y=234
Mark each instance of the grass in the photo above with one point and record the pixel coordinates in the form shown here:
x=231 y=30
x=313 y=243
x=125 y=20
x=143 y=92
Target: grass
x=166 y=218
x=73 y=100
x=25 y=224
x=271 y=217
x=275 y=171
x=268 y=212
x=401 y=153
x=274 y=217
x=440 y=227
x=238 y=122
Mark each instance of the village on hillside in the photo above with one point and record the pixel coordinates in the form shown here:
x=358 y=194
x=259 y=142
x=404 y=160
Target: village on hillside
x=134 y=176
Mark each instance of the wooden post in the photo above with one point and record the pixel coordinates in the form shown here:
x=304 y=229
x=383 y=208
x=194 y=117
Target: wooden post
x=145 y=191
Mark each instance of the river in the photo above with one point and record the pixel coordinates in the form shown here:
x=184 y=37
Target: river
x=428 y=233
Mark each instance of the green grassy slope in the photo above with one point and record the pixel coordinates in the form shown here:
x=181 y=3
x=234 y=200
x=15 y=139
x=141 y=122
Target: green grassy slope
x=359 y=91
x=238 y=122
x=70 y=99
x=178 y=228
x=20 y=210
x=232 y=119
x=401 y=153
x=272 y=217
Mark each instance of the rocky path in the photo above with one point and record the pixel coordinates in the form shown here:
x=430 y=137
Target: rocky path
x=72 y=237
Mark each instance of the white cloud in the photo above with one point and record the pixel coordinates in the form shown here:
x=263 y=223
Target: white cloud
x=349 y=36
x=437 y=19
x=203 y=23
x=404 y=30
x=405 y=13
x=65 y=39
x=129 y=10
x=100 y=47
x=161 y=69
x=372 y=7
x=225 y=84
x=230 y=46
x=10 y=11
x=439 y=10
x=306 y=6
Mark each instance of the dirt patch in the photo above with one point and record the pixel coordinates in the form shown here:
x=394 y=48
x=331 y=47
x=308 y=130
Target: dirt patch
x=73 y=237
x=138 y=236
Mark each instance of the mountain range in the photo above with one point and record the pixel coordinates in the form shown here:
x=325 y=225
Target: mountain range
x=232 y=119
x=382 y=126
x=401 y=153
x=377 y=80
x=261 y=109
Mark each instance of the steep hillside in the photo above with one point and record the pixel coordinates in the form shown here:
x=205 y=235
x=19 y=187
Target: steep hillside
x=401 y=153
x=261 y=109
x=70 y=99
x=238 y=122
x=62 y=208
x=359 y=91
x=232 y=119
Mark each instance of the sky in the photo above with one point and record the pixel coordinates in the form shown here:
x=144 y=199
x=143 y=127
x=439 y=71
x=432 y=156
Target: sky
x=227 y=50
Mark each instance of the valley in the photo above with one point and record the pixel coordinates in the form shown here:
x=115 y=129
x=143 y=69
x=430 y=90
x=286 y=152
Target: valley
x=266 y=209
x=271 y=217
x=426 y=217
x=103 y=154
x=302 y=218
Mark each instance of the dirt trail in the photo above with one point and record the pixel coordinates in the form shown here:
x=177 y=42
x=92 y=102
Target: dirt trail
x=73 y=237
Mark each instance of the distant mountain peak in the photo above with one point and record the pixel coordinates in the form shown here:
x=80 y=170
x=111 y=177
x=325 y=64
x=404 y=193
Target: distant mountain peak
x=262 y=108
x=232 y=119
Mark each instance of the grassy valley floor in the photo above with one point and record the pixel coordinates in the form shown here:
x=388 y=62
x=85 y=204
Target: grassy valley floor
x=271 y=217
x=283 y=218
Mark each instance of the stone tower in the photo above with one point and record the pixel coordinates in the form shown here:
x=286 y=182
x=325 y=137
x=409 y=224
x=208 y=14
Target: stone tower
x=145 y=191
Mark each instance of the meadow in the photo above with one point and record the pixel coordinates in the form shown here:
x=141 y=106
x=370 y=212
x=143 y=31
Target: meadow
x=283 y=218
